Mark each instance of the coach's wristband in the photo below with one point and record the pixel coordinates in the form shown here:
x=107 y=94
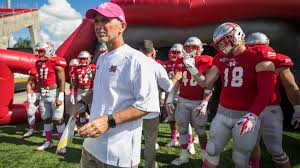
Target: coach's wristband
x=61 y=96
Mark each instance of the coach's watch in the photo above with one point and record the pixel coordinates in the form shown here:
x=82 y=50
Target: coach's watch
x=111 y=121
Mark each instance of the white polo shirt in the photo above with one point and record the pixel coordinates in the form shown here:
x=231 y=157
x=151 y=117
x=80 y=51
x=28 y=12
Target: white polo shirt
x=162 y=80
x=124 y=78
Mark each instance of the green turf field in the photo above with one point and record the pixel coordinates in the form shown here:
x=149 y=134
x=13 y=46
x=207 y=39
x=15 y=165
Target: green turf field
x=20 y=153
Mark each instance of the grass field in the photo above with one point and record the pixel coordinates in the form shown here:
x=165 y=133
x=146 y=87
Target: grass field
x=20 y=153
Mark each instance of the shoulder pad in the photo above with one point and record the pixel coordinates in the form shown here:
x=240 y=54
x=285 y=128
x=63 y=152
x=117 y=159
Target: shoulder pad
x=59 y=61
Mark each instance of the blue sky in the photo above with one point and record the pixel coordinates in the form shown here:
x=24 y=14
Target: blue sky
x=80 y=6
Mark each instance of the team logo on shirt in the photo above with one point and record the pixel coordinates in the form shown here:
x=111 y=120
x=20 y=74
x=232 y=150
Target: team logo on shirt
x=113 y=68
x=271 y=54
x=232 y=63
x=287 y=60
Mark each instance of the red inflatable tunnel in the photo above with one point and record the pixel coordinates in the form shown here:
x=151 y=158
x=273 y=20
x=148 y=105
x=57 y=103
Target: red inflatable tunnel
x=12 y=61
x=172 y=16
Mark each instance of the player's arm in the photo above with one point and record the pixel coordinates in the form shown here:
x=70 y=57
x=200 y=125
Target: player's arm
x=265 y=81
x=61 y=79
x=60 y=72
x=201 y=109
x=29 y=88
x=207 y=80
x=29 y=84
x=292 y=90
x=38 y=87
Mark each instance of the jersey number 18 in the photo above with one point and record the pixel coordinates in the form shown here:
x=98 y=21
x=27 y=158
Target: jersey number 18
x=237 y=77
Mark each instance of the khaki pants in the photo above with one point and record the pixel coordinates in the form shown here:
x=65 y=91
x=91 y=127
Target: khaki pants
x=150 y=128
x=89 y=161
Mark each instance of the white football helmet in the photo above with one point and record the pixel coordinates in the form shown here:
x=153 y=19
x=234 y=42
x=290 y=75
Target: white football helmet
x=175 y=52
x=74 y=62
x=194 y=41
x=84 y=58
x=230 y=31
x=45 y=50
x=257 y=38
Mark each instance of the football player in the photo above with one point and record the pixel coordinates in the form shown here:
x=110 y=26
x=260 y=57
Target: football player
x=32 y=96
x=192 y=100
x=83 y=78
x=72 y=65
x=51 y=86
x=248 y=80
x=272 y=117
x=174 y=53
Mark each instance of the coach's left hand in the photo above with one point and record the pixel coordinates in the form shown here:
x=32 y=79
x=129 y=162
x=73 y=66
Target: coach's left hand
x=95 y=128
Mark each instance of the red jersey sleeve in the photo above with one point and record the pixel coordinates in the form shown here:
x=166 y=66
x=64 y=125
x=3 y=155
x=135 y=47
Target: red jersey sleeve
x=59 y=61
x=92 y=67
x=265 y=53
x=283 y=61
x=208 y=60
x=216 y=60
x=32 y=71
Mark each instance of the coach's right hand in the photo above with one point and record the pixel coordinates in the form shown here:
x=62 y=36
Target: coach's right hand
x=95 y=128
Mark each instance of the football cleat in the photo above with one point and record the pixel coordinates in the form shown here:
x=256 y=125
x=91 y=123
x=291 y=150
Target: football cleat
x=156 y=146
x=196 y=140
x=181 y=160
x=172 y=143
x=28 y=133
x=191 y=149
x=46 y=145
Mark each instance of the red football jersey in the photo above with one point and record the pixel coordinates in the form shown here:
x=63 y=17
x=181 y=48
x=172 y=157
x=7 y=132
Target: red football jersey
x=84 y=75
x=281 y=61
x=46 y=70
x=188 y=87
x=32 y=72
x=170 y=68
x=238 y=75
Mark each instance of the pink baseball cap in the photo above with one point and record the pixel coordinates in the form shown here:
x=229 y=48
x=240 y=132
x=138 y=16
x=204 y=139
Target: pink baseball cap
x=107 y=9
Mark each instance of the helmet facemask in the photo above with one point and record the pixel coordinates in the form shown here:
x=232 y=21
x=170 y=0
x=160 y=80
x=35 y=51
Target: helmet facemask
x=45 y=50
x=227 y=37
x=84 y=58
x=192 y=50
x=174 y=55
